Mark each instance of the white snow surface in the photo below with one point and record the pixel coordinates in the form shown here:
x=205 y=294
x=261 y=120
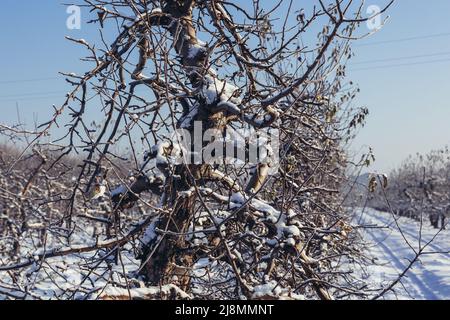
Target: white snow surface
x=429 y=278
x=215 y=87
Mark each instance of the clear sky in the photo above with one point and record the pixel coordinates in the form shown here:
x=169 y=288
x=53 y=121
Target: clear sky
x=403 y=72
x=409 y=104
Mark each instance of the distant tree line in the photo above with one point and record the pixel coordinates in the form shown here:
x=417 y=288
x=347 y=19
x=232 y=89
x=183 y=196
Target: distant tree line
x=418 y=188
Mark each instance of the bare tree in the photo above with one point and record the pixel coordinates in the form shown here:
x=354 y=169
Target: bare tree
x=221 y=229
x=419 y=188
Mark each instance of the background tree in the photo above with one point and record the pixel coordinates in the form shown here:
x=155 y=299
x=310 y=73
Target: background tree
x=418 y=189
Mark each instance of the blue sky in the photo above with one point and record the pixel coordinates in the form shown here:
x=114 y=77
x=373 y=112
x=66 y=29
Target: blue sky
x=410 y=110
x=409 y=105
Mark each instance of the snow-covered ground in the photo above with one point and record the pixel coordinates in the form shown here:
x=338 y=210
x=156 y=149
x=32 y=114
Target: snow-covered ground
x=69 y=277
x=429 y=278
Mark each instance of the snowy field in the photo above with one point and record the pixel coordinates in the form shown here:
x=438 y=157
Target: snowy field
x=69 y=277
x=429 y=277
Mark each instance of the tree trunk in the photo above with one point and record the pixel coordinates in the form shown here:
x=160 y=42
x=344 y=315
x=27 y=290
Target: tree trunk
x=167 y=259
